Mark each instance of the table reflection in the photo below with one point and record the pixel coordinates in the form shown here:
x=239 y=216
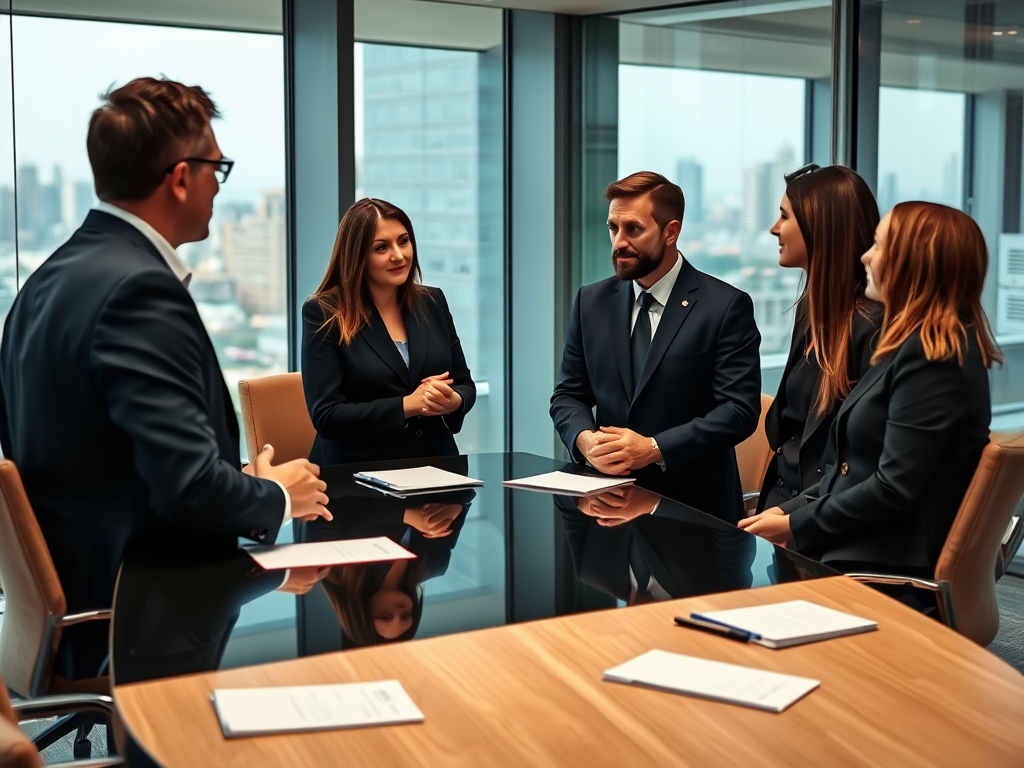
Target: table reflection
x=484 y=557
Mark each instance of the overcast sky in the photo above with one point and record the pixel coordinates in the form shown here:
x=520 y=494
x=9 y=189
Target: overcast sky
x=62 y=65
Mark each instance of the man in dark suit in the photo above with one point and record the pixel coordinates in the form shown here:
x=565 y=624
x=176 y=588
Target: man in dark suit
x=111 y=399
x=667 y=354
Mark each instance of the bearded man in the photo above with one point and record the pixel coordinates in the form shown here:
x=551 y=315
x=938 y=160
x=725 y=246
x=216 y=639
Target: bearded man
x=667 y=354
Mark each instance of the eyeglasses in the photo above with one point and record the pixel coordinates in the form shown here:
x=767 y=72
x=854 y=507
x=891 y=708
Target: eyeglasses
x=223 y=169
x=809 y=168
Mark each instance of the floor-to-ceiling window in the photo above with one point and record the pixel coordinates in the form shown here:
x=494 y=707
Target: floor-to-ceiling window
x=724 y=100
x=239 y=271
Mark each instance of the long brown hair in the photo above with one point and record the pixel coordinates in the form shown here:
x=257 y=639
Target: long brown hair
x=837 y=215
x=932 y=272
x=343 y=294
x=349 y=588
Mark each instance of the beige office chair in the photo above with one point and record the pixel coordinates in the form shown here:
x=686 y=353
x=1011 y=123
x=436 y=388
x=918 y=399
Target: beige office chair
x=36 y=613
x=274 y=412
x=965 y=575
x=18 y=751
x=753 y=456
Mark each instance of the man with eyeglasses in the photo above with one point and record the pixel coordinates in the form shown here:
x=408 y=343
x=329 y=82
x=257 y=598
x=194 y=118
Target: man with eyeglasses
x=112 y=403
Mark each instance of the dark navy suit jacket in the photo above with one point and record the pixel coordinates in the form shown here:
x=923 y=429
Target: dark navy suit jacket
x=113 y=406
x=354 y=391
x=699 y=393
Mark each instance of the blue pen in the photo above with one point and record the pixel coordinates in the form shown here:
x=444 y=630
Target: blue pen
x=709 y=620
x=716 y=628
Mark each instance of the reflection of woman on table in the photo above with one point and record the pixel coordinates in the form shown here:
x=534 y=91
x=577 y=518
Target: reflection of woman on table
x=382 y=368
x=383 y=602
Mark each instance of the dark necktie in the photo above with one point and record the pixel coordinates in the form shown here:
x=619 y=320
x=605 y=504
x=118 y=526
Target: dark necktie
x=640 y=341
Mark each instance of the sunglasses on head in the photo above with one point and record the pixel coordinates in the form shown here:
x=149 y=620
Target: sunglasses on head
x=809 y=168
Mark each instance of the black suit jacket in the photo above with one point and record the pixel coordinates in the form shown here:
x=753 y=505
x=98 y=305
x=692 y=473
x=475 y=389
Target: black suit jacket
x=901 y=453
x=354 y=391
x=699 y=393
x=114 y=408
x=863 y=339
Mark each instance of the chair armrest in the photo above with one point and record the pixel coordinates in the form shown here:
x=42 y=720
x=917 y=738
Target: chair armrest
x=1010 y=544
x=62 y=704
x=78 y=618
x=947 y=611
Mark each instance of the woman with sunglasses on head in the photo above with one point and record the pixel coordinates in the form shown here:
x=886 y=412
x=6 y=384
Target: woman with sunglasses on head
x=382 y=368
x=906 y=442
x=827 y=217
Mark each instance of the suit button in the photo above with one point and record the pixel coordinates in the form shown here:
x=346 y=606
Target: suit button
x=778 y=451
x=844 y=468
x=419 y=433
x=261 y=535
x=794 y=494
x=818 y=470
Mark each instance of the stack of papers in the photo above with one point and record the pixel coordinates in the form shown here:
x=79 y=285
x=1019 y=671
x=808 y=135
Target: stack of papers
x=567 y=484
x=288 y=709
x=781 y=625
x=415 y=481
x=713 y=680
x=275 y=557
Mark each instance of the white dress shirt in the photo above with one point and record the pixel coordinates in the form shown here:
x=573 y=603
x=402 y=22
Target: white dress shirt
x=661 y=291
x=183 y=272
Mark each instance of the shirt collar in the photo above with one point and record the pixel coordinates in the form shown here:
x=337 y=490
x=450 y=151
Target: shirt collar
x=662 y=290
x=181 y=270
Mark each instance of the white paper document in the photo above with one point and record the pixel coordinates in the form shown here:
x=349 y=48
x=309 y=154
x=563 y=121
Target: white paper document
x=781 y=625
x=568 y=484
x=255 y=711
x=713 y=680
x=276 y=557
x=420 y=479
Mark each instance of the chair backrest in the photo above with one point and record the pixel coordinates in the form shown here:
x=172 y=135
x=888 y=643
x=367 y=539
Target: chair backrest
x=16 y=749
x=968 y=558
x=274 y=412
x=32 y=589
x=754 y=453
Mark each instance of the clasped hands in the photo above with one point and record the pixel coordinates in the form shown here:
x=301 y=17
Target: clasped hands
x=433 y=520
x=772 y=524
x=433 y=397
x=618 y=505
x=617 y=450
x=301 y=481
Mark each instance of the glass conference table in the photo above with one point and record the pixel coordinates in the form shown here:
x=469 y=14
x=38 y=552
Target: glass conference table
x=485 y=557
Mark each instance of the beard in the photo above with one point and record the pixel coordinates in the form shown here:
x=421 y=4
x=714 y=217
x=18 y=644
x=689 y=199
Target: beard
x=646 y=262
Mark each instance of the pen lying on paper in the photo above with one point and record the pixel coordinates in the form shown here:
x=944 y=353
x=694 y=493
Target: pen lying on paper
x=706 y=625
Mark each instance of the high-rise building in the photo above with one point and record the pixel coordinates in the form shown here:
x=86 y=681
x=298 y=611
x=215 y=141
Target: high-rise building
x=763 y=187
x=433 y=147
x=690 y=178
x=253 y=247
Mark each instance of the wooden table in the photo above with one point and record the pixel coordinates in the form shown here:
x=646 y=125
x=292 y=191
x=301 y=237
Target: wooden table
x=912 y=693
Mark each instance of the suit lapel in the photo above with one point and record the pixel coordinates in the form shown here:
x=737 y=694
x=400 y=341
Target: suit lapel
x=672 y=319
x=419 y=340
x=867 y=382
x=620 y=316
x=377 y=336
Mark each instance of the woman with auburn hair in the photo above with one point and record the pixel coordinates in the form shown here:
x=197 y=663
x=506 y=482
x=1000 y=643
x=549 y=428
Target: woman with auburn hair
x=382 y=367
x=826 y=218
x=905 y=444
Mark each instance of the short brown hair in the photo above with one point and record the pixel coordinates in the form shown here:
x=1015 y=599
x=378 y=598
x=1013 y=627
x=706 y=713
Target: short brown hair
x=666 y=198
x=343 y=296
x=932 y=274
x=142 y=128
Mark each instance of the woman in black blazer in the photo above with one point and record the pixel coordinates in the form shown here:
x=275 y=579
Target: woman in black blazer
x=827 y=217
x=382 y=367
x=905 y=444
